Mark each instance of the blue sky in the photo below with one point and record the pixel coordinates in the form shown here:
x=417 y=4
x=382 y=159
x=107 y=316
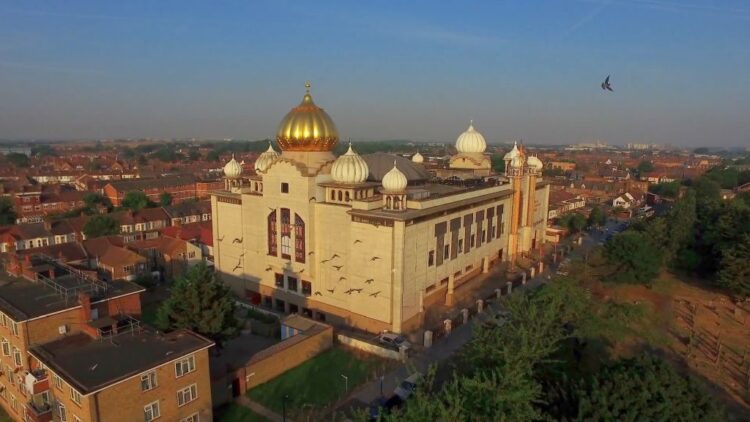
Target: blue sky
x=383 y=69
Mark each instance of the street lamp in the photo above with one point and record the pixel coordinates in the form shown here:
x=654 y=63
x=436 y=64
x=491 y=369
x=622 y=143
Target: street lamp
x=381 y=386
x=283 y=407
x=346 y=383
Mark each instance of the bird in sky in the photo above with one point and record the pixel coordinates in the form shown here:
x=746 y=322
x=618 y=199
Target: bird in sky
x=606 y=85
x=338 y=267
x=375 y=294
x=318 y=294
x=369 y=280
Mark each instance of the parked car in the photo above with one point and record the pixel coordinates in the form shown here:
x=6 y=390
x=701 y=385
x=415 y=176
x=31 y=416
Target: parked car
x=394 y=341
x=407 y=386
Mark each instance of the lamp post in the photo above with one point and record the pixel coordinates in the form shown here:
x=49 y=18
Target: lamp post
x=346 y=383
x=381 y=386
x=283 y=407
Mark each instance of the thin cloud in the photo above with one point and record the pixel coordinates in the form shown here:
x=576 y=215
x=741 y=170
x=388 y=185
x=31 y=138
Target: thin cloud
x=586 y=18
x=48 y=68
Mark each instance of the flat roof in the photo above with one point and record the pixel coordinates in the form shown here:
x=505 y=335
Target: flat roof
x=23 y=299
x=90 y=364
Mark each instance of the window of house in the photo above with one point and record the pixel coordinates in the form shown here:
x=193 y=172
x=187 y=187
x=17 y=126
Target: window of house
x=291 y=283
x=471 y=242
x=148 y=381
x=6 y=347
x=187 y=394
x=151 y=411
x=192 y=418
x=299 y=239
x=3 y=320
x=57 y=381
x=460 y=245
x=62 y=412
x=285 y=187
x=293 y=309
x=75 y=396
x=484 y=235
x=447 y=249
x=286 y=233
x=17 y=356
x=280 y=305
x=184 y=366
x=306 y=288
x=3 y=392
x=279 y=280
x=272 y=233
x=431 y=258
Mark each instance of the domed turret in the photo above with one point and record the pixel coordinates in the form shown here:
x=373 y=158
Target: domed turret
x=471 y=141
x=307 y=128
x=512 y=153
x=534 y=162
x=516 y=162
x=394 y=180
x=232 y=169
x=417 y=158
x=350 y=168
x=266 y=159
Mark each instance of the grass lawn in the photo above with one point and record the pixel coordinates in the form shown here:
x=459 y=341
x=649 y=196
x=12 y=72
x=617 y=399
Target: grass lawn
x=236 y=413
x=318 y=382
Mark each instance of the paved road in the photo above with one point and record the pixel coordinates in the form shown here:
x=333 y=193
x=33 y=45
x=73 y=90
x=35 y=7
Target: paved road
x=444 y=349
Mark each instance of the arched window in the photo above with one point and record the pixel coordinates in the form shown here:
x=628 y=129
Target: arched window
x=272 y=247
x=333 y=195
x=299 y=239
x=286 y=234
x=388 y=202
x=339 y=195
x=346 y=196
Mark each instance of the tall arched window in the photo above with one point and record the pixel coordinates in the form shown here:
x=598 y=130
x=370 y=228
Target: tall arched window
x=299 y=239
x=272 y=247
x=339 y=195
x=286 y=234
x=346 y=196
x=333 y=195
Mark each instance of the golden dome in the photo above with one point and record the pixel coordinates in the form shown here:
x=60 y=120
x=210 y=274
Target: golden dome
x=307 y=128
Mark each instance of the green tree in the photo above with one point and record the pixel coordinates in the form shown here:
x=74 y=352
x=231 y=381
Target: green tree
x=200 y=301
x=136 y=200
x=193 y=155
x=681 y=222
x=101 y=225
x=7 y=213
x=636 y=258
x=213 y=155
x=666 y=189
x=165 y=199
x=734 y=273
x=645 y=388
x=18 y=159
x=43 y=150
x=645 y=166
x=574 y=222
x=597 y=217
x=498 y=164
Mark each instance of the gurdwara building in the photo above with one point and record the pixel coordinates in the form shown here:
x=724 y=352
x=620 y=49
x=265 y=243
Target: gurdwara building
x=370 y=241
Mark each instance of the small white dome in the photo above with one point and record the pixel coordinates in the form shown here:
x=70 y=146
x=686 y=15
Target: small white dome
x=517 y=161
x=471 y=141
x=512 y=153
x=534 y=162
x=350 y=168
x=232 y=169
x=266 y=159
x=417 y=158
x=394 y=180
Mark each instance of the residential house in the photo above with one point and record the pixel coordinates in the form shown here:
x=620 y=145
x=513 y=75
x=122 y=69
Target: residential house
x=170 y=256
x=189 y=212
x=181 y=187
x=113 y=260
x=200 y=234
x=562 y=202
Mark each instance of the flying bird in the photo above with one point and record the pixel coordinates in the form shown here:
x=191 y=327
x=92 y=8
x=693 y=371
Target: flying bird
x=301 y=271
x=269 y=268
x=237 y=240
x=375 y=294
x=272 y=209
x=606 y=85
x=338 y=267
x=324 y=261
x=221 y=239
x=374 y=258
x=331 y=290
x=342 y=278
x=357 y=241
x=312 y=198
x=369 y=280
x=335 y=256
x=318 y=294
x=310 y=253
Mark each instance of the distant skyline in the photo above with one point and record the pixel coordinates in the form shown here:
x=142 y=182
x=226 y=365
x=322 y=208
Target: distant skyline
x=384 y=70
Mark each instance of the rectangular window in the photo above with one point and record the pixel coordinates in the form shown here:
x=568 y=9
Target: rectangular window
x=447 y=249
x=151 y=411
x=148 y=381
x=14 y=328
x=14 y=405
x=62 y=412
x=75 y=396
x=291 y=284
x=3 y=392
x=17 y=356
x=284 y=187
x=306 y=288
x=192 y=418
x=279 y=280
x=286 y=233
x=57 y=381
x=3 y=320
x=184 y=366
x=460 y=245
x=186 y=395
x=280 y=305
x=6 y=347
x=431 y=258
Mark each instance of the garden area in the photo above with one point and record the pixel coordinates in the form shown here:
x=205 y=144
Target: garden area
x=319 y=383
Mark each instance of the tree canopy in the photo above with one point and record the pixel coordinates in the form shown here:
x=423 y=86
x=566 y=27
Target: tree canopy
x=597 y=217
x=645 y=166
x=200 y=301
x=574 y=222
x=165 y=199
x=7 y=213
x=18 y=159
x=136 y=200
x=636 y=258
x=101 y=225
x=666 y=189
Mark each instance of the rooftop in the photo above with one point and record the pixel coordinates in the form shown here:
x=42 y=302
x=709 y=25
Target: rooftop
x=92 y=364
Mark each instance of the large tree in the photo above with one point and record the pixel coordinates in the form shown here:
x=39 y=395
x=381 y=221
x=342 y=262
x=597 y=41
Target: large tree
x=165 y=199
x=645 y=166
x=597 y=217
x=7 y=214
x=635 y=257
x=101 y=225
x=200 y=301
x=574 y=222
x=734 y=272
x=645 y=388
x=136 y=200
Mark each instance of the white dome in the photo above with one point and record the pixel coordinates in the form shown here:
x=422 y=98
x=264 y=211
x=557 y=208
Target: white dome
x=232 y=169
x=266 y=159
x=471 y=141
x=394 y=180
x=534 y=162
x=350 y=168
x=512 y=153
x=417 y=158
x=517 y=161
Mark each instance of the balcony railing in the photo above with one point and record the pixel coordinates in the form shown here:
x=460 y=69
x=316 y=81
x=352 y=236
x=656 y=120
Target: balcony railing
x=38 y=412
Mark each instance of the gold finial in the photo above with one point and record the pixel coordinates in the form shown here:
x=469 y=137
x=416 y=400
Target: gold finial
x=394 y=163
x=307 y=86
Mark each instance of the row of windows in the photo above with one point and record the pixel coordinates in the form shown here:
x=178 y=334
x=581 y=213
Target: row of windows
x=460 y=246
x=17 y=359
x=7 y=321
x=286 y=235
x=291 y=284
x=188 y=394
